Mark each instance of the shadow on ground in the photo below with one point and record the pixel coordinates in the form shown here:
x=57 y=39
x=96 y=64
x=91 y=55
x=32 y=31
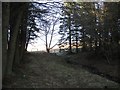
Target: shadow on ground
x=43 y=70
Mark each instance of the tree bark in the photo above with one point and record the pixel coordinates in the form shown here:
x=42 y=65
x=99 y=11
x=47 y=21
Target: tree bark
x=76 y=42
x=12 y=43
x=5 y=24
x=70 y=47
x=17 y=52
x=22 y=35
x=23 y=40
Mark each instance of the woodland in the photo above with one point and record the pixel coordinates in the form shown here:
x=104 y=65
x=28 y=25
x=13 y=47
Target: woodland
x=90 y=34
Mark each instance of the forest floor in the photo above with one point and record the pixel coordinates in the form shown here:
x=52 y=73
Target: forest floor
x=42 y=70
x=96 y=64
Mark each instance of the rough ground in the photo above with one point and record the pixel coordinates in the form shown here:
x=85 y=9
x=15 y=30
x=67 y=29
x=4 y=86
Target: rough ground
x=42 y=70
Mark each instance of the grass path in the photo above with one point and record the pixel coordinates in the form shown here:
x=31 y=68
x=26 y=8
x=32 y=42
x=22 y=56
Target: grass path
x=50 y=71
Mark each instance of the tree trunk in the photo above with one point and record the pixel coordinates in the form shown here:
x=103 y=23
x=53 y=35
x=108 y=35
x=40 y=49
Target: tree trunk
x=48 y=50
x=23 y=41
x=5 y=24
x=12 y=43
x=70 y=46
x=76 y=42
x=17 y=53
x=24 y=32
x=27 y=40
x=84 y=45
x=22 y=38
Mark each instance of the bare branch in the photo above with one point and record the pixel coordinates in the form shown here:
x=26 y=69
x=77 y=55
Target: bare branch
x=53 y=31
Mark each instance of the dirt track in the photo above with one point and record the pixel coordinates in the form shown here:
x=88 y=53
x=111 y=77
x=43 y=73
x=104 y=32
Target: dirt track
x=42 y=70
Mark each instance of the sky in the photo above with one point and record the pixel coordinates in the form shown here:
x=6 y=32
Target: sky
x=39 y=44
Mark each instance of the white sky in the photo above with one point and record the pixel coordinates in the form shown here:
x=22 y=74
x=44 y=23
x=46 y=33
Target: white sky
x=39 y=45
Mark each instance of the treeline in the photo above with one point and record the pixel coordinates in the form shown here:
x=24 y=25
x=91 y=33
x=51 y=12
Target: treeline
x=95 y=26
x=19 y=27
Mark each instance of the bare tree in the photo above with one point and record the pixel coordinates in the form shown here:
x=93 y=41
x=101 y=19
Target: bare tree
x=48 y=27
x=49 y=33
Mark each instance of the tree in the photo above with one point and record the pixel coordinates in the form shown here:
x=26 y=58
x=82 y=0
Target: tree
x=5 y=23
x=48 y=26
x=19 y=28
x=96 y=33
x=14 y=33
